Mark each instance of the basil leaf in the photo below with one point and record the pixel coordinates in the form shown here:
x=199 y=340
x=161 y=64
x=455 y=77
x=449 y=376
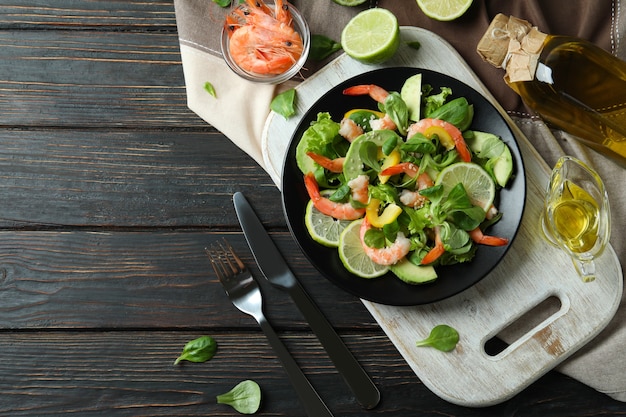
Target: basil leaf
x=245 y=397
x=389 y=145
x=210 y=89
x=322 y=47
x=198 y=350
x=442 y=337
x=284 y=103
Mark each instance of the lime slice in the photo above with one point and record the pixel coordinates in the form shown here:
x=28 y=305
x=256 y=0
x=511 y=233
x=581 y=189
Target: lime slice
x=349 y=2
x=322 y=228
x=444 y=10
x=372 y=36
x=354 y=257
x=478 y=184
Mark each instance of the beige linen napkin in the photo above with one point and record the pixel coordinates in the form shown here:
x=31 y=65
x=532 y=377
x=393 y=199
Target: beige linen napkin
x=241 y=108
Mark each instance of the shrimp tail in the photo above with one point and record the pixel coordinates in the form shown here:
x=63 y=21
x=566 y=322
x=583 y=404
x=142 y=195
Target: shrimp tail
x=482 y=239
x=333 y=165
x=377 y=93
x=436 y=251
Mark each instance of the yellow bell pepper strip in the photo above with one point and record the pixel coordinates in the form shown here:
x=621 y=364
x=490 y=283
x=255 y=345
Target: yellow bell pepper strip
x=390 y=160
x=389 y=214
x=444 y=137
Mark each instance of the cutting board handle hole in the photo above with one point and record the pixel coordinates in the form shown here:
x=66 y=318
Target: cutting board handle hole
x=523 y=325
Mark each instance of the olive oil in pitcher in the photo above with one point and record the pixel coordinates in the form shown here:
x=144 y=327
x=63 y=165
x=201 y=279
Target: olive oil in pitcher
x=571 y=83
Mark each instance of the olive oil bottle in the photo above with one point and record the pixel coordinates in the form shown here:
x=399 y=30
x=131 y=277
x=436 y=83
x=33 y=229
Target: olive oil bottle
x=571 y=83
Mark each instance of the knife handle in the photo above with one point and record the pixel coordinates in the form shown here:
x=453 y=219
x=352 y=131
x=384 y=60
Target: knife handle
x=356 y=378
x=313 y=404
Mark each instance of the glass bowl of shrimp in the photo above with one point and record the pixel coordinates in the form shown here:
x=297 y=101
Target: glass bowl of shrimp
x=265 y=42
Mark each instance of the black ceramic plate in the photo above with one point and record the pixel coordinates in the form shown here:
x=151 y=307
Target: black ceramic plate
x=388 y=289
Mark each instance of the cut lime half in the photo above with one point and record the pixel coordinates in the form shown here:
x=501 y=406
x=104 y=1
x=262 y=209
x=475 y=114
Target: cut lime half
x=352 y=255
x=372 y=36
x=322 y=228
x=480 y=187
x=444 y=10
x=350 y=2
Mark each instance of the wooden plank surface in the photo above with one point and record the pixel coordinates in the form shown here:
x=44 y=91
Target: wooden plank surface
x=110 y=189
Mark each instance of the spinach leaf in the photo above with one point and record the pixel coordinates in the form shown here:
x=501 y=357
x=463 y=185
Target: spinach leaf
x=222 y=3
x=458 y=112
x=198 y=350
x=284 y=103
x=322 y=47
x=442 y=337
x=245 y=397
x=397 y=110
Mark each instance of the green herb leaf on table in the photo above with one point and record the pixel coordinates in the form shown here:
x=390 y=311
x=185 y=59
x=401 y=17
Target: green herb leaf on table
x=222 y=3
x=245 y=397
x=442 y=337
x=210 y=89
x=322 y=47
x=201 y=349
x=284 y=103
x=414 y=44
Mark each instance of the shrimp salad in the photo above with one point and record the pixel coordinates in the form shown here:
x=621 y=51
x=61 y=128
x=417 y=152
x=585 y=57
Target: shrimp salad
x=381 y=167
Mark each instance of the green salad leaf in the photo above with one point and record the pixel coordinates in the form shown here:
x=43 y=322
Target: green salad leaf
x=285 y=103
x=201 y=349
x=245 y=397
x=315 y=139
x=442 y=337
x=322 y=47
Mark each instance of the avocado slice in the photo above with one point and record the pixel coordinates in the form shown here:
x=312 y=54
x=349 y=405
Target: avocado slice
x=494 y=151
x=410 y=273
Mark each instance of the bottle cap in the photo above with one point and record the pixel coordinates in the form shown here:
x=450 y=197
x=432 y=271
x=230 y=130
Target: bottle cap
x=513 y=44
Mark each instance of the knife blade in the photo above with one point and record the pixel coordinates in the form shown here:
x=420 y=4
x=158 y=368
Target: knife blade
x=275 y=270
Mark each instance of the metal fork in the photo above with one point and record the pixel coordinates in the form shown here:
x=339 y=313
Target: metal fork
x=245 y=294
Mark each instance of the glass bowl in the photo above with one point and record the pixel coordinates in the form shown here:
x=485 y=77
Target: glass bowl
x=300 y=26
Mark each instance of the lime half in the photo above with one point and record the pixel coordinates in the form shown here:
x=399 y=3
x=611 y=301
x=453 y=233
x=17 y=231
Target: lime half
x=372 y=36
x=322 y=228
x=444 y=10
x=354 y=257
x=478 y=184
x=350 y=2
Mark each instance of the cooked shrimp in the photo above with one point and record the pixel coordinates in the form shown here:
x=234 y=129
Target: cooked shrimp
x=428 y=127
x=261 y=41
x=388 y=255
x=333 y=165
x=478 y=237
x=383 y=123
x=340 y=211
x=349 y=130
x=407 y=197
x=436 y=251
x=377 y=93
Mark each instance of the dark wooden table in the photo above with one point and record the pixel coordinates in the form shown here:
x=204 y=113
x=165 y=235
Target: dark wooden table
x=111 y=188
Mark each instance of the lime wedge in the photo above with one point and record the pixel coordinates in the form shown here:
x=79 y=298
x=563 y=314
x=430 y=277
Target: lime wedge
x=352 y=255
x=478 y=184
x=322 y=228
x=444 y=10
x=372 y=36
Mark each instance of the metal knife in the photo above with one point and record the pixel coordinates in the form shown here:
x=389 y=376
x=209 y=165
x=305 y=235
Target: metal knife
x=276 y=271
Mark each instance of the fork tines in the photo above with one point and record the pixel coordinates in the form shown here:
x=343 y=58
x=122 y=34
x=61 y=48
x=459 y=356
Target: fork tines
x=224 y=260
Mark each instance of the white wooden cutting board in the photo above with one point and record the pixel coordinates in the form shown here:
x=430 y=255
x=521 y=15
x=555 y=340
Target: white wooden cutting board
x=532 y=271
